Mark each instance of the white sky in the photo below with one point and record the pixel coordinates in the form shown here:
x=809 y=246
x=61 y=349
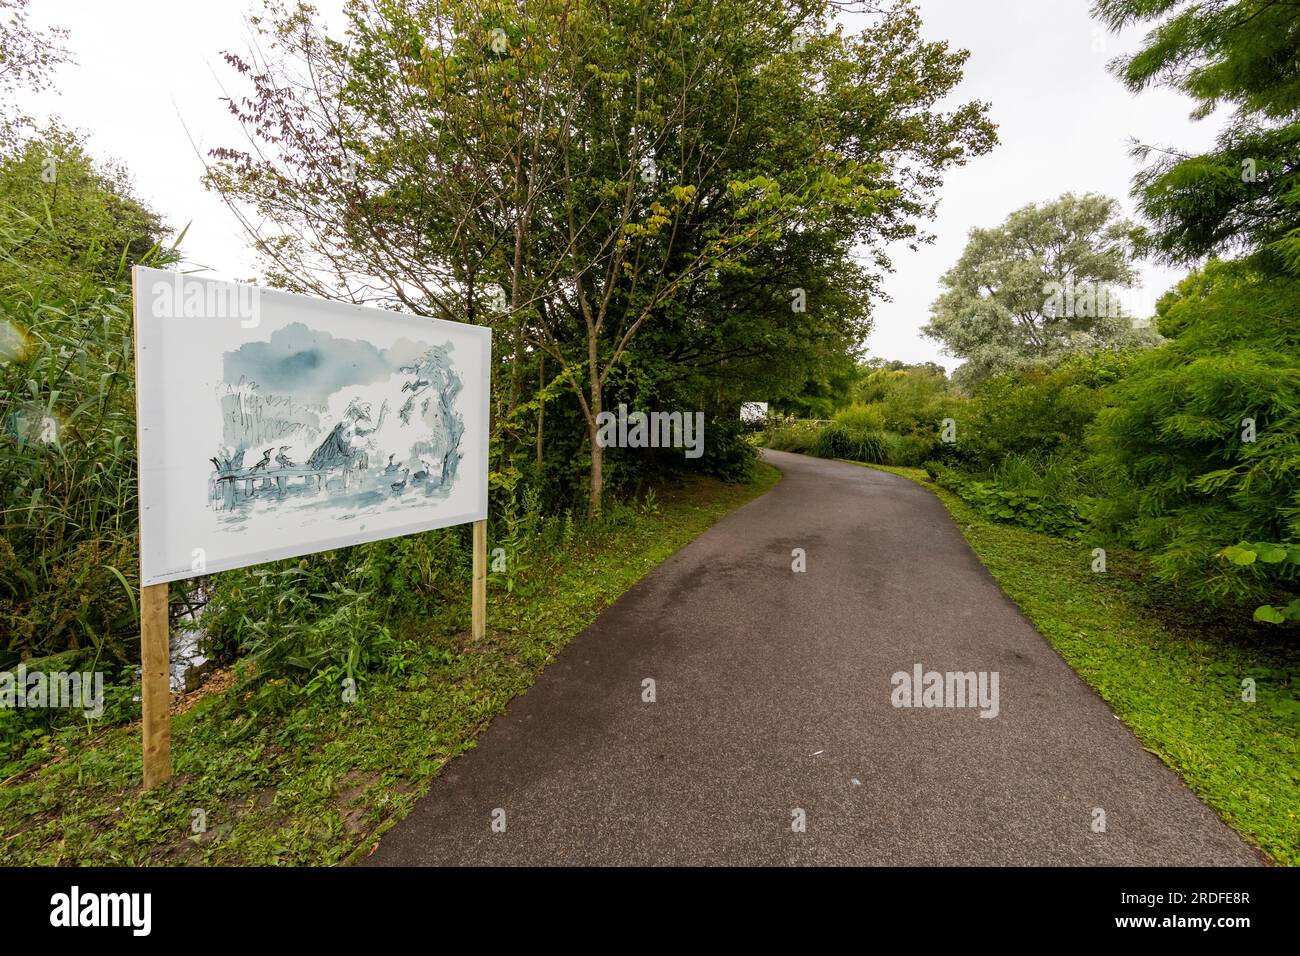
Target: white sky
x=1064 y=125
x=148 y=69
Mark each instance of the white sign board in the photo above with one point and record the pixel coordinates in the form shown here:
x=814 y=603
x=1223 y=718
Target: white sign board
x=273 y=425
x=753 y=411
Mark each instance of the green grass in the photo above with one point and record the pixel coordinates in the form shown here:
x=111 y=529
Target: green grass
x=1171 y=672
x=315 y=781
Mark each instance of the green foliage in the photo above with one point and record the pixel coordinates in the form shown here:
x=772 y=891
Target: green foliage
x=847 y=439
x=911 y=399
x=36 y=729
x=67 y=418
x=1038 y=411
x=1042 y=285
x=857 y=433
x=1244 y=194
x=1268 y=553
x=728 y=454
x=1175 y=433
x=861 y=418
x=790 y=434
x=1035 y=508
x=907 y=450
x=650 y=245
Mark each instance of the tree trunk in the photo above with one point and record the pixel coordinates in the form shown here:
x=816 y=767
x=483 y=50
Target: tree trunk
x=597 y=452
x=516 y=282
x=541 y=405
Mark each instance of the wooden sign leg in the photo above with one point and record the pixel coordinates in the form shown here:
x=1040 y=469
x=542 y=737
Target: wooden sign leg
x=479 y=596
x=155 y=684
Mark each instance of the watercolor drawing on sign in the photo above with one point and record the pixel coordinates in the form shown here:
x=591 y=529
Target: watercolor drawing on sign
x=312 y=423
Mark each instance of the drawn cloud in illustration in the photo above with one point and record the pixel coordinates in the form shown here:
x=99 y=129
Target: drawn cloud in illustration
x=310 y=364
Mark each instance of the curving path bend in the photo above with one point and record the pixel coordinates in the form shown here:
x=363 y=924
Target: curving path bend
x=773 y=694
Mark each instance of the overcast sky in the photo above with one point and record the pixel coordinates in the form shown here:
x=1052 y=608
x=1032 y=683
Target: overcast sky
x=149 y=70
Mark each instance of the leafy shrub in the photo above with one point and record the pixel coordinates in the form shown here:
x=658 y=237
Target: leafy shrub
x=728 y=454
x=907 y=450
x=1030 y=507
x=788 y=434
x=909 y=399
x=1188 y=479
x=1039 y=411
x=861 y=418
x=67 y=407
x=1246 y=553
x=855 y=434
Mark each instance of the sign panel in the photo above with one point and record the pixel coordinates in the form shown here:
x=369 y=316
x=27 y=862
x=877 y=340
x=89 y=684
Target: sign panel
x=273 y=425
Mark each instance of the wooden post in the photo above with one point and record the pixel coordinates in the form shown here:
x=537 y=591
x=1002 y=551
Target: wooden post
x=155 y=651
x=479 y=596
x=155 y=684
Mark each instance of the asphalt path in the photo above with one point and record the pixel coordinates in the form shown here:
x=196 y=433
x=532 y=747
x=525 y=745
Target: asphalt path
x=775 y=703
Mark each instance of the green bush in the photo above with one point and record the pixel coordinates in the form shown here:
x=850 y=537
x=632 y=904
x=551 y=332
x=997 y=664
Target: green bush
x=1035 y=411
x=857 y=433
x=728 y=454
x=907 y=450
x=1189 y=481
x=1030 y=507
x=840 y=440
x=790 y=435
x=909 y=400
x=68 y=558
x=861 y=418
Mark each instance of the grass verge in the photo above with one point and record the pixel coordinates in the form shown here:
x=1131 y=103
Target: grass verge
x=1172 y=674
x=312 y=781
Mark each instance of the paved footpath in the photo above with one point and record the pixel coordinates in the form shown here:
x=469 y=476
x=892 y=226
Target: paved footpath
x=774 y=694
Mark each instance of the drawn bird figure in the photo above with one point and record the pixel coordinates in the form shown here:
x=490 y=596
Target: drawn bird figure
x=283 y=460
x=399 y=485
x=390 y=467
x=423 y=473
x=266 y=460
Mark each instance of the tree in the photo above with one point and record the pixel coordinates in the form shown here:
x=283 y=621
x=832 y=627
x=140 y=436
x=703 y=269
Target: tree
x=1200 y=437
x=1042 y=285
x=1244 y=194
x=911 y=398
x=623 y=173
x=27 y=57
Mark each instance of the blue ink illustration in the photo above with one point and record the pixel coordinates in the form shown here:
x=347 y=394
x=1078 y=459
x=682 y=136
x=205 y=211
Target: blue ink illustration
x=333 y=423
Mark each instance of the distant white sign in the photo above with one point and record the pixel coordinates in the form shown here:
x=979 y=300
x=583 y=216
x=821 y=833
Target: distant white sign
x=753 y=411
x=273 y=425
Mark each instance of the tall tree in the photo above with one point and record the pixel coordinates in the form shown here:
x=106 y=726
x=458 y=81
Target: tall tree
x=1042 y=285
x=610 y=169
x=1244 y=194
